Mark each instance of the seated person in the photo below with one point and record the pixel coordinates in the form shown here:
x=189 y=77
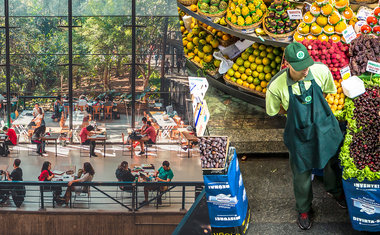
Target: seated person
x=123 y=173
x=107 y=102
x=82 y=103
x=37 y=139
x=149 y=136
x=87 y=176
x=58 y=107
x=98 y=104
x=38 y=120
x=11 y=140
x=47 y=175
x=135 y=135
x=84 y=134
x=36 y=110
x=164 y=174
x=18 y=192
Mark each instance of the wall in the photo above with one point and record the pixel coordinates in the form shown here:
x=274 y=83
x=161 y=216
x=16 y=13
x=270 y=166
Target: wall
x=95 y=222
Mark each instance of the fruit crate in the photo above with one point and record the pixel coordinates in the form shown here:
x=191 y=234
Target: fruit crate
x=219 y=170
x=210 y=72
x=224 y=43
x=261 y=94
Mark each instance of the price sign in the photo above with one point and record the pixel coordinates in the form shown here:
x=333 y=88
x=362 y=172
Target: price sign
x=295 y=14
x=345 y=72
x=373 y=67
x=349 y=34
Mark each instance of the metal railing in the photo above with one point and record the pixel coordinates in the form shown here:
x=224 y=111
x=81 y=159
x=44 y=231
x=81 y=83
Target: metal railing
x=101 y=195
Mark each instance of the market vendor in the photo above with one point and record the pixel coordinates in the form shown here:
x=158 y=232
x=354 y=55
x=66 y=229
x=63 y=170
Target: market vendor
x=312 y=134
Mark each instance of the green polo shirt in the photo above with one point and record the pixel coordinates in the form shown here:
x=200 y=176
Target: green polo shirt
x=164 y=175
x=278 y=93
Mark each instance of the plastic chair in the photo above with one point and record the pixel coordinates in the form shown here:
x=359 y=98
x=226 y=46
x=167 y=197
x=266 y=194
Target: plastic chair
x=108 y=112
x=86 y=196
x=95 y=111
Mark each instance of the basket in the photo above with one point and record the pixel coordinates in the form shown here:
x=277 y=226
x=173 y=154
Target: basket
x=211 y=16
x=245 y=29
x=261 y=94
x=212 y=73
x=224 y=43
x=220 y=170
x=188 y=2
x=287 y=37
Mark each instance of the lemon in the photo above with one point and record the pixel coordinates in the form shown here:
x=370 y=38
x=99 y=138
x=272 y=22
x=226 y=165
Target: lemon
x=261 y=76
x=235 y=66
x=250 y=79
x=260 y=68
x=247 y=64
x=248 y=71
x=239 y=61
x=231 y=72
x=241 y=69
x=244 y=77
x=253 y=66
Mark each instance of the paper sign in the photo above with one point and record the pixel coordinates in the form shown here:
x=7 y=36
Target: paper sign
x=295 y=14
x=345 y=72
x=349 y=34
x=373 y=67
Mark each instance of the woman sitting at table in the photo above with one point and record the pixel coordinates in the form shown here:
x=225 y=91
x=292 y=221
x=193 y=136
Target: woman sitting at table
x=123 y=173
x=84 y=134
x=37 y=139
x=39 y=118
x=149 y=136
x=47 y=175
x=87 y=176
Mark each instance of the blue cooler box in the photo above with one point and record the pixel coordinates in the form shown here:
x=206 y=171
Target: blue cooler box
x=363 y=202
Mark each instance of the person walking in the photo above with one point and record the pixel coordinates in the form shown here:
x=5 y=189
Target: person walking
x=312 y=134
x=179 y=64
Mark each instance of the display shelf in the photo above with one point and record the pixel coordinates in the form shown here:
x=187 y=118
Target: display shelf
x=252 y=37
x=218 y=83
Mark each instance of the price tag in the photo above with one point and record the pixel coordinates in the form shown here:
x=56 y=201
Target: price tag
x=349 y=34
x=373 y=67
x=295 y=14
x=345 y=72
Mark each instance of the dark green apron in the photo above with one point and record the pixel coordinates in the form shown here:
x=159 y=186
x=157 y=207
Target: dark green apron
x=312 y=132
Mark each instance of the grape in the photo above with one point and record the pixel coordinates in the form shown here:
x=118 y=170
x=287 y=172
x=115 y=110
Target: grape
x=365 y=144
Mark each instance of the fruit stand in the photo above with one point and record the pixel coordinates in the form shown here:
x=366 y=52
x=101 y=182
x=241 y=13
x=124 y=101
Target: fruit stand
x=343 y=36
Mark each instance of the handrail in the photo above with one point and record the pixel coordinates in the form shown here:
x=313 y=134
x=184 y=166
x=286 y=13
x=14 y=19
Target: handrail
x=100 y=183
x=260 y=39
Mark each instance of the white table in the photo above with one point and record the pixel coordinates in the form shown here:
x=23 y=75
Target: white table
x=78 y=117
x=167 y=125
x=24 y=118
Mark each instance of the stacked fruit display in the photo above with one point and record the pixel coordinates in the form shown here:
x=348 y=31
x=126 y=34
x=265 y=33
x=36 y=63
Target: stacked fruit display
x=362 y=49
x=199 y=45
x=277 y=19
x=373 y=23
x=225 y=39
x=245 y=12
x=212 y=7
x=335 y=56
x=324 y=21
x=360 y=152
x=255 y=67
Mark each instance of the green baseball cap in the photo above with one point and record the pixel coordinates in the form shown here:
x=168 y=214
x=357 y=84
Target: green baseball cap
x=298 y=56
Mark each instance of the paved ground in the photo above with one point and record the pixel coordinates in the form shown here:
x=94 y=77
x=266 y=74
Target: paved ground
x=268 y=182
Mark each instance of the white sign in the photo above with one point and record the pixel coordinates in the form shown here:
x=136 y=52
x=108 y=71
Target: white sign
x=349 y=34
x=295 y=14
x=373 y=67
x=345 y=72
x=198 y=89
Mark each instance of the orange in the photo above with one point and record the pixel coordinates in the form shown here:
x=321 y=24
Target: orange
x=258 y=88
x=209 y=38
x=245 y=84
x=340 y=107
x=342 y=95
x=334 y=107
x=251 y=86
x=197 y=59
x=263 y=84
x=336 y=101
x=339 y=90
x=219 y=34
x=226 y=37
x=341 y=101
x=265 y=90
x=207 y=58
x=193 y=7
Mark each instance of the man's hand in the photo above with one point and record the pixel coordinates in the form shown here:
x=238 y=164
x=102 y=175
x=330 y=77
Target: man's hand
x=282 y=110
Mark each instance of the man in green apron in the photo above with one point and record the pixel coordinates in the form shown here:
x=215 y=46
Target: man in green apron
x=312 y=133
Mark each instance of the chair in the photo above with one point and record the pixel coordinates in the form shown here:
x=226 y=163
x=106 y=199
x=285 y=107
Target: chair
x=123 y=143
x=108 y=112
x=42 y=189
x=155 y=145
x=81 y=108
x=82 y=198
x=95 y=111
x=12 y=147
x=118 y=190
